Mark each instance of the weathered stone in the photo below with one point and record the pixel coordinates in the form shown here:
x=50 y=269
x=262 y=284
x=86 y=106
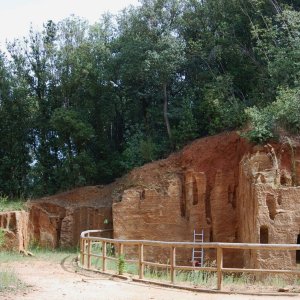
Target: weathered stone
x=269 y=212
x=15 y=225
x=223 y=185
x=59 y=220
x=193 y=190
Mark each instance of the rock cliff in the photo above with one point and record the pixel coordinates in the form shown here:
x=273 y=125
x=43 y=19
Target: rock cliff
x=14 y=225
x=234 y=191
x=193 y=189
x=58 y=220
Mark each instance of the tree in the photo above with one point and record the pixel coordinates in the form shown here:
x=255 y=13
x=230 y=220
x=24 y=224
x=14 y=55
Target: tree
x=15 y=127
x=152 y=53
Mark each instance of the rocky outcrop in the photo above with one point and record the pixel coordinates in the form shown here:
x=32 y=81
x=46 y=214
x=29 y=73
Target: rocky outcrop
x=234 y=191
x=194 y=189
x=270 y=206
x=14 y=224
x=57 y=221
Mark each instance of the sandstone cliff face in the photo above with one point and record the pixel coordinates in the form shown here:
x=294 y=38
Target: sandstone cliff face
x=58 y=220
x=232 y=190
x=236 y=192
x=270 y=205
x=15 y=225
x=194 y=189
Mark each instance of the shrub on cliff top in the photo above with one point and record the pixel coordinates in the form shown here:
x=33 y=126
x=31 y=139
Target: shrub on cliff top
x=284 y=113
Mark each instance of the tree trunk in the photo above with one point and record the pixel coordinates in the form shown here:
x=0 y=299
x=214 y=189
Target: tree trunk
x=166 y=112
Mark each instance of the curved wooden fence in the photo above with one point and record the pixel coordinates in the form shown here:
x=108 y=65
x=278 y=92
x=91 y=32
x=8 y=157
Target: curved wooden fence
x=88 y=239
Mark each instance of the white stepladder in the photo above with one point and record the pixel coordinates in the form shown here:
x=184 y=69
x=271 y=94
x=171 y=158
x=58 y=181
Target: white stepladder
x=198 y=252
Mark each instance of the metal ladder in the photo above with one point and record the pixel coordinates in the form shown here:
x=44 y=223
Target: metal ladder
x=198 y=252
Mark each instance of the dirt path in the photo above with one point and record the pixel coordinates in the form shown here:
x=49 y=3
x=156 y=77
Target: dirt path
x=52 y=280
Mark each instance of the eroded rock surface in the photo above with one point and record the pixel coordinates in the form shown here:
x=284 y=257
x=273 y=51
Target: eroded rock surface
x=58 y=220
x=269 y=210
x=193 y=189
x=234 y=191
x=15 y=227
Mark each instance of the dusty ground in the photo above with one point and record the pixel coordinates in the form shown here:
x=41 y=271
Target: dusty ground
x=62 y=280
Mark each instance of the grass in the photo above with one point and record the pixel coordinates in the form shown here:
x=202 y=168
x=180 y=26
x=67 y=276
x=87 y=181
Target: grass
x=9 y=281
x=53 y=255
x=200 y=279
x=56 y=255
x=7 y=204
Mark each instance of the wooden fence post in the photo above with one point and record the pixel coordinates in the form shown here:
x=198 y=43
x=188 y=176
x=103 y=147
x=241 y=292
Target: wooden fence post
x=141 y=261
x=89 y=254
x=173 y=263
x=219 y=267
x=83 y=251
x=121 y=249
x=103 y=256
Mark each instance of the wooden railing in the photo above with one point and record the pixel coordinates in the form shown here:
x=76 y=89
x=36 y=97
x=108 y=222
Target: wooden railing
x=87 y=240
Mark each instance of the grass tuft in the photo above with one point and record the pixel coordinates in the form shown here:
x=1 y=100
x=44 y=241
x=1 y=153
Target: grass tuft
x=7 y=204
x=9 y=281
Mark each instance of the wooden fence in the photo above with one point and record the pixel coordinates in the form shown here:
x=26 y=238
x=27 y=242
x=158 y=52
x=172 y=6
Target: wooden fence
x=87 y=240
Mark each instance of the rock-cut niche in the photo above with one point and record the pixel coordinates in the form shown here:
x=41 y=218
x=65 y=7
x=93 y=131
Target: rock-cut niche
x=298 y=251
x=264 y=235
x=271 y=204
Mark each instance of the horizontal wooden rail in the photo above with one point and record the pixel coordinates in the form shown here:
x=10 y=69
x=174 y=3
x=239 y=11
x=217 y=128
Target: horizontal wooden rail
x=154 y=264
x=235 y=270
x=87 y=240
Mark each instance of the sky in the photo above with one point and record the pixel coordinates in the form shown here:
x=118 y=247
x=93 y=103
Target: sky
x=16 y=16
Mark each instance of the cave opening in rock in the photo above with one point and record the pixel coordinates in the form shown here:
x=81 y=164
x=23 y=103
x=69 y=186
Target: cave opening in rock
x=264 y=235
x=298 y=251
x=283 y=180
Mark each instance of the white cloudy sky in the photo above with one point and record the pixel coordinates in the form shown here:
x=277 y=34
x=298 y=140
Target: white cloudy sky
x=16 y=16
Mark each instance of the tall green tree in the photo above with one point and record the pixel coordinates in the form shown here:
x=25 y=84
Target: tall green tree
x=151 y=55
x=15 y=132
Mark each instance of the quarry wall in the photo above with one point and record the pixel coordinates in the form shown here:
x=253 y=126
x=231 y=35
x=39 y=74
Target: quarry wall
x=197 y=189
x=270 y=205
x=234 y=191
x=15 y=227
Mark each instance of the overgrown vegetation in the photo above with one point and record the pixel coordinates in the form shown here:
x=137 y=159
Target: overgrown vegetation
x=83 y=103
x=121 y=264
x=7 y=204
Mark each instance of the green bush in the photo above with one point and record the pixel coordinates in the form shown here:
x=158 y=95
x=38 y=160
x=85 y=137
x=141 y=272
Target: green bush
x=121 y=264
x=284 y=113
x=262 y=124
x=7 y=204
x=287 y=108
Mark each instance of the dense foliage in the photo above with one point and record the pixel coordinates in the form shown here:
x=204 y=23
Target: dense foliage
x=82 y=104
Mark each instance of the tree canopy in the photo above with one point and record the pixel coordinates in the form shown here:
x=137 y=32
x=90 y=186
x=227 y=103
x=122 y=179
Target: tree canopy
x=84 y=103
